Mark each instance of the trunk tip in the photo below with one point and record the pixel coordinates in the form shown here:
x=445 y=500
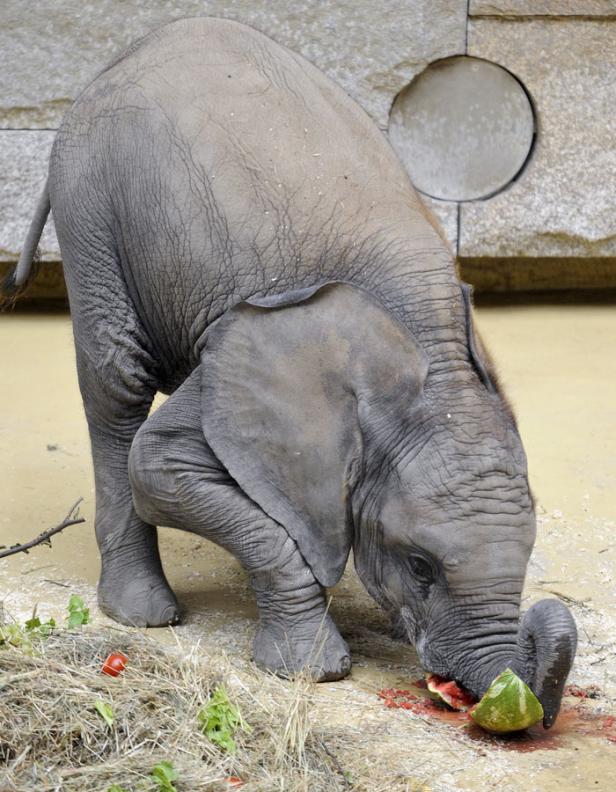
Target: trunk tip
x=549 y=717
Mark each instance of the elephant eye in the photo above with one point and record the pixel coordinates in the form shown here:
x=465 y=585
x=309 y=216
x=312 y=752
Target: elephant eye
x=421 y=569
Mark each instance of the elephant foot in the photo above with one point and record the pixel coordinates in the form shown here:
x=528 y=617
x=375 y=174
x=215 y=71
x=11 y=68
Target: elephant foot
x=286 y=647
x=141 y=600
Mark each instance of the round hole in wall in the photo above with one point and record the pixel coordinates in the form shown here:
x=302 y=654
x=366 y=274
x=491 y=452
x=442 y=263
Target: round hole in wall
x=464 y=128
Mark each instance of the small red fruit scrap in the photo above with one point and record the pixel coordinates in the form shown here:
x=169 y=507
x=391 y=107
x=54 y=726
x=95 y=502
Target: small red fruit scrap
x=590 y=692
x=605 y=725
x=234 y=781
x=114 y=664
x=608 y=726
x=398 y=699
x=393 y=698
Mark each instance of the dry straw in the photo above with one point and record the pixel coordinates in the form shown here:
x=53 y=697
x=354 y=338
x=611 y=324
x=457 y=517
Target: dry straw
x=53 y=738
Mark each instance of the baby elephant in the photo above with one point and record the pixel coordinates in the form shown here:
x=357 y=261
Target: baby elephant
x=238 y=234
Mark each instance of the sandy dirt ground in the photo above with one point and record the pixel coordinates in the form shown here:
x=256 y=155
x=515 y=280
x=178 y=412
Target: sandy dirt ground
x=558 y=366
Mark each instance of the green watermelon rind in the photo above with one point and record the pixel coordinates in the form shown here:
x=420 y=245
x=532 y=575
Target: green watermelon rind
x=508 y=705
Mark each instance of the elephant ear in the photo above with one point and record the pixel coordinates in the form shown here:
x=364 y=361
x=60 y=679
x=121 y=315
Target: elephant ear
x=476 y=350
x=282 y=381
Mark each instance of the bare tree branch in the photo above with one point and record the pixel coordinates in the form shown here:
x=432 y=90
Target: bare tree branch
x=71 y=518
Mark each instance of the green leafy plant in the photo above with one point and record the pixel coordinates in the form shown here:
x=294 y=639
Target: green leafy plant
x=39 y=629
x=219 y=720
x=16 y=635
x=12 y=634
x=105 y=711
x=163 y=774
x=78 y=614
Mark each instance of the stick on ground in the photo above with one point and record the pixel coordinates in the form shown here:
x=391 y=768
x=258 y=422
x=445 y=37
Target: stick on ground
x=71 y=518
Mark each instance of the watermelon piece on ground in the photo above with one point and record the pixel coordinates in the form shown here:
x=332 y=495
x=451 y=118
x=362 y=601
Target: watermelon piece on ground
x=508 y=705
x=450 y=692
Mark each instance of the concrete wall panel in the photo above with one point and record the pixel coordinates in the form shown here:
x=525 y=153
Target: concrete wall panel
x=50 y=50
x=554 y=226
x=563 y=203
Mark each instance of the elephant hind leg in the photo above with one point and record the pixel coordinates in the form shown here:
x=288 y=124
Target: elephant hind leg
x=132 y=587
x=117 y=382
x=177 y=481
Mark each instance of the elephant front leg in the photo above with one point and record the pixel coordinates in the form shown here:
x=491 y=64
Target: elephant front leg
x=295 y=630
x=178 y=482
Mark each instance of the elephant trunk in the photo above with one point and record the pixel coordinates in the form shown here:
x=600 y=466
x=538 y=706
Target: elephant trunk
x=542 y=657
x=546 y=647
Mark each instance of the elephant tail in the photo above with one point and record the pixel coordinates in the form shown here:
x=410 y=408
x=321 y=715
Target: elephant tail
x=17 y=281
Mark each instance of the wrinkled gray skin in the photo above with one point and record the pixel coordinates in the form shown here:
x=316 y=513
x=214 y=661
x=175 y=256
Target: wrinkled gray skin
x=237 y=233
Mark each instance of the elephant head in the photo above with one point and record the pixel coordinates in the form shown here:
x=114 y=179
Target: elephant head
x=330 y=415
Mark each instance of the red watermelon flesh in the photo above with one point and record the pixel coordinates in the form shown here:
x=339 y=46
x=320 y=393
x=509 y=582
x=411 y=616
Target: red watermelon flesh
x=451 y=693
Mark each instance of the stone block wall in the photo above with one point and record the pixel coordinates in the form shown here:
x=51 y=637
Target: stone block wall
x=556 y=225
x=551 y=227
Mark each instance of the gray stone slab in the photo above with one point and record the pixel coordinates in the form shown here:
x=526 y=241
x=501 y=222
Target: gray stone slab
x=23 y=169
x=563 y=202
x=50 y=50
x=542 y=7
